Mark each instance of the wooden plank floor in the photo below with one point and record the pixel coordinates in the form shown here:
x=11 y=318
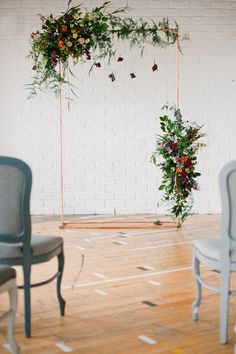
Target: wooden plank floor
x=131 y=295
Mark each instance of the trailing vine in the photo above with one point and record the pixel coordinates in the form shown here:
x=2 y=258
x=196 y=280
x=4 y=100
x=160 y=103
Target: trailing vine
x=89 y=36
x=176 y=156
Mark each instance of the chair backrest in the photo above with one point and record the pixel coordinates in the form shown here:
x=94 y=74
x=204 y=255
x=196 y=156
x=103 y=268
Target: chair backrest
x=228 y=199
x=15 y=188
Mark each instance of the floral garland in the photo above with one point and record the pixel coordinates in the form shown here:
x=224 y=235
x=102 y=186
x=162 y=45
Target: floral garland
x=178 y=147
x=89 y=36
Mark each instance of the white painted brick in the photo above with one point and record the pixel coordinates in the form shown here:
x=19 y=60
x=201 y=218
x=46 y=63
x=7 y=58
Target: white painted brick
x=105 y=180
x=118 y=204
x=124 y=196
x=162 y=4
x=116 y=188
x=96 y=187
x=137 y=188
x=222 y=4
x=105 y=195
x=11 y=4
x=202 y=4
x=87 y=195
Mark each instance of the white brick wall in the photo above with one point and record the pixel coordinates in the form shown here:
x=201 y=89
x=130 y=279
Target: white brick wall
x=110 y=131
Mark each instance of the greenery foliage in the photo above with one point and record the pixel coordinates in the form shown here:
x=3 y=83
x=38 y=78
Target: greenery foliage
x=176 y=155
x=88 y=36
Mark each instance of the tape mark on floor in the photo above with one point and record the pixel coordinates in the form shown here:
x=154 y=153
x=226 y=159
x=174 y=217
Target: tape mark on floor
x=67 y=287
x=177 y=351
x=100 y=292
x=148 y=267
x=64 y=347
x=7 y=347
x=100 y=275
x=149 y=303
x=147 y=339
x=145 y=268
x=80 y=248
x=119 y=243
x=154 y=282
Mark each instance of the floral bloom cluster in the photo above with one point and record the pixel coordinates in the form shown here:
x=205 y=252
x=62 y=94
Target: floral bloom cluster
x=175 y=154
x=76 y=36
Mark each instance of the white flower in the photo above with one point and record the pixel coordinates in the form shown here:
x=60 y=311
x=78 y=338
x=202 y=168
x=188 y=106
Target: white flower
x=81 y=40
x=76 y=16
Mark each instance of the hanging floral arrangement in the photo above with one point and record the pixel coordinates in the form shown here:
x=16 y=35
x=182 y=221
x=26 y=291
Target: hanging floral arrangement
x=89 y=36
x=176 y=156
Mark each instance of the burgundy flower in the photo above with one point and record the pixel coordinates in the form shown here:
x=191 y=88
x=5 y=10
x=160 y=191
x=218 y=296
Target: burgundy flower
x=112 y=77
x=54 y=54
x=174 y=146
x=133 y=76
x=54 y=62
x=187 y=163
x=154 y=67
x=120 y=59
x=183 y=173
x=98 y=65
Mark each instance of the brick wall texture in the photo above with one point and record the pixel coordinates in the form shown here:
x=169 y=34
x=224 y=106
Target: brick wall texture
x=110 y=129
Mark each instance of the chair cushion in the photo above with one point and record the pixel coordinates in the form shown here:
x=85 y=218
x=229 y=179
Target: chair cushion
x=6 y=273
x=211 y=249
x=40 y=245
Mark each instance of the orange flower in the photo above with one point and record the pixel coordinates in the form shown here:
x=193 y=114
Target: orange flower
x=179 y=170
x=73 y=30
x=60 y=44
x=184 y=158
x=63 y=28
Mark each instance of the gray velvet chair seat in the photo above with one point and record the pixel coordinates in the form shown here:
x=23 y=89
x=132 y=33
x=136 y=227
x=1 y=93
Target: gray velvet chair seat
x=6 y=273
x=40 y=245
x=212 y=249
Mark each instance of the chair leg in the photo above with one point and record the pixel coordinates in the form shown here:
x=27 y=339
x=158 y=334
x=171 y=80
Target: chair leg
x=62 y=302
x=197 y=302
x=11 y=318
x=224 y=306
x=27 y=300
